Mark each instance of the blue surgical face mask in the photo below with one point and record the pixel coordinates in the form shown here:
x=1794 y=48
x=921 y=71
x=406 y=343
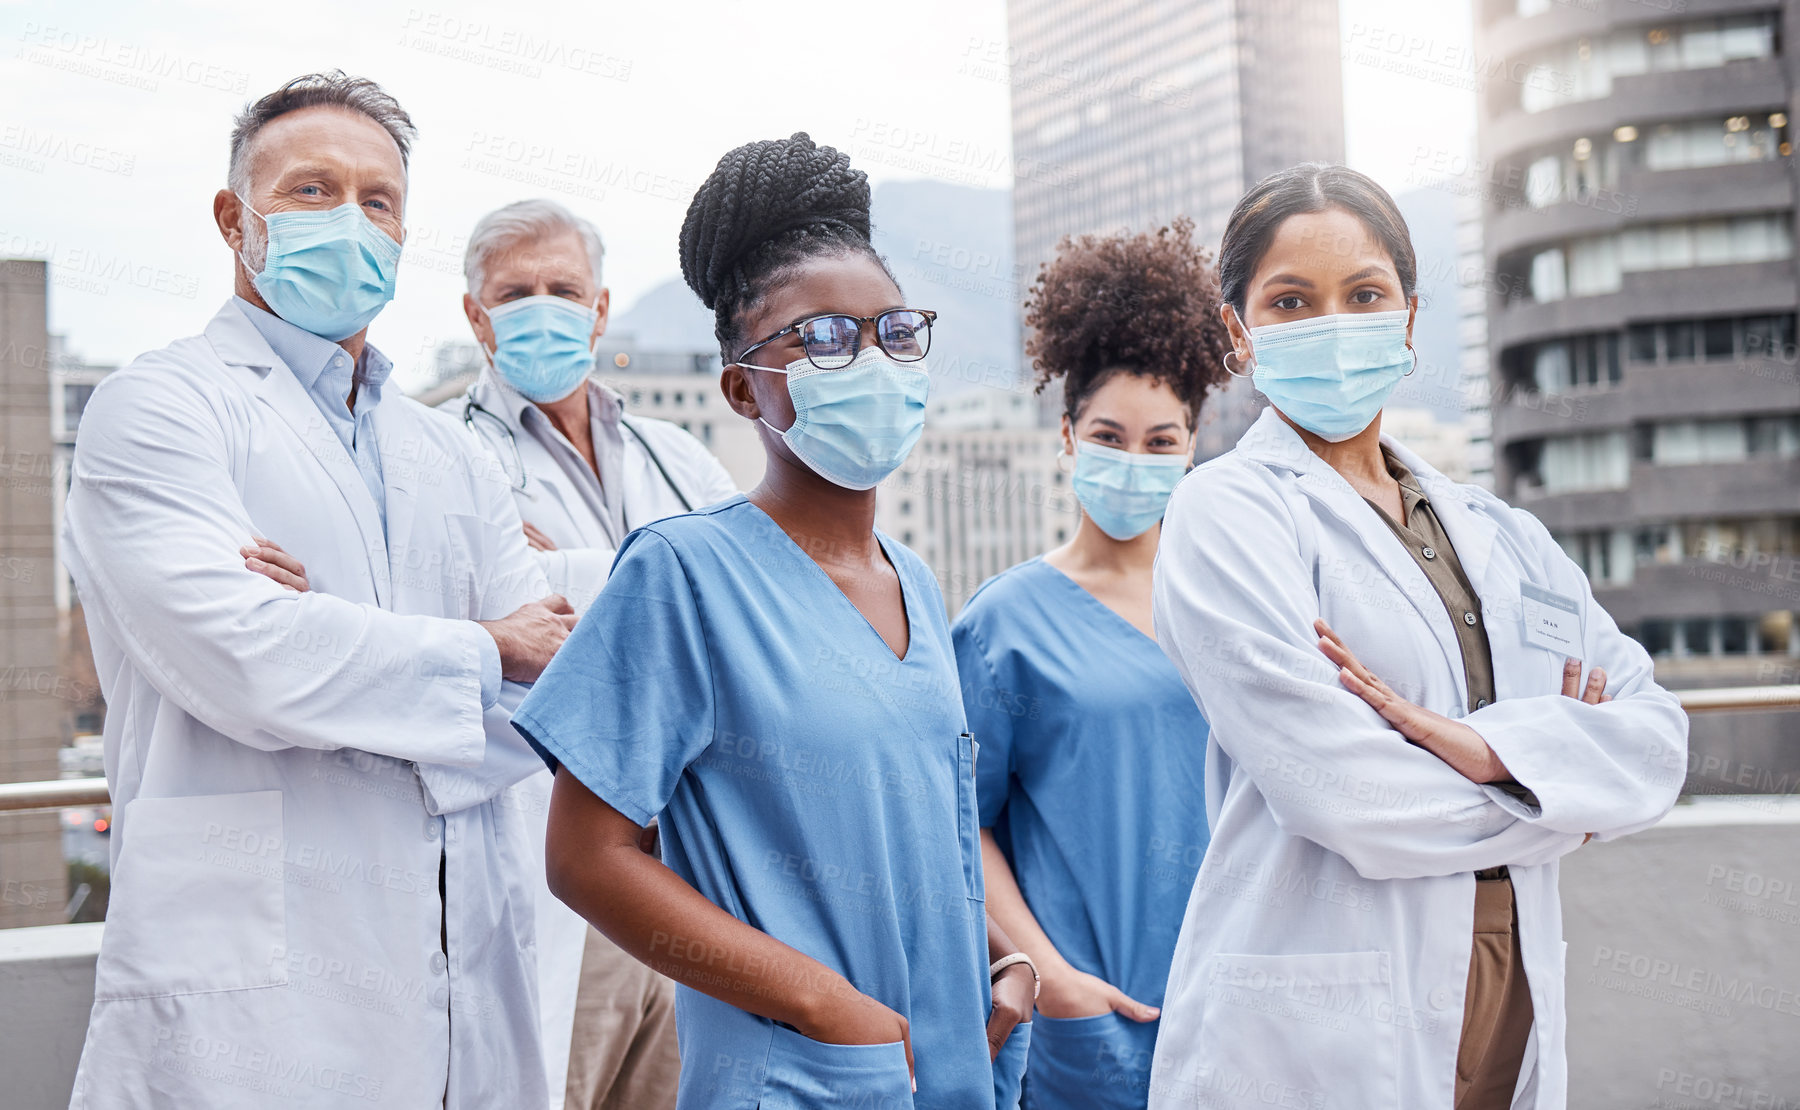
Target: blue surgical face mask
x=329 y=272
x=855 y=426
x=543 y=345
x=1332 y=374
x=1123 y=492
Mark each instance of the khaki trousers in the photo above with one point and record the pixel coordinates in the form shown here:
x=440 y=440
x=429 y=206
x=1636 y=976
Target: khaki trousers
x=1497 y=1012
x=622 y=1054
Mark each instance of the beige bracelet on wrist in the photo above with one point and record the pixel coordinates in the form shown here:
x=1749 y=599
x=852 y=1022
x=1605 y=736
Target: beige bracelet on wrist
x=1000 y=965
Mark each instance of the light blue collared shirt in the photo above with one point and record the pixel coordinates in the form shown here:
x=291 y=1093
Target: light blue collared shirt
x=326 y=372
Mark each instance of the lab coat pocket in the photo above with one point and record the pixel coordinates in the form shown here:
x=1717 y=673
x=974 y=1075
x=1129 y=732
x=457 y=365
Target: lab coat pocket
x=968 y=816
x=1009 y=1067
x=197 y=898
x=804 y=1074
x=1100 y=1062
x=1319 y=1024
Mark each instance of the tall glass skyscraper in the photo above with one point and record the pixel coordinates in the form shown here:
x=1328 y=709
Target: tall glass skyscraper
x=1129 y=113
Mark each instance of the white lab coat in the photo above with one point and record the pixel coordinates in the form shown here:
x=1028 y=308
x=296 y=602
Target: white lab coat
x=1325 y=950
x=577 y=569
x=287 y=769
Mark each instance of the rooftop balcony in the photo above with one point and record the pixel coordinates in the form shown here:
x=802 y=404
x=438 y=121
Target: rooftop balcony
x=1683 y=953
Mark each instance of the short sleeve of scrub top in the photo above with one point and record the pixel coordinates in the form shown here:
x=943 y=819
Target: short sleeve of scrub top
x=644 y=648
x=990 y=708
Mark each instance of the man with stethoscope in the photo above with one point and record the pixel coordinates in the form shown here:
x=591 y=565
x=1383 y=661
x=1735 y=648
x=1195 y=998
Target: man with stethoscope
x=583 y=476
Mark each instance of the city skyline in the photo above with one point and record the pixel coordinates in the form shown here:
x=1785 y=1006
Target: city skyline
x=104 y=82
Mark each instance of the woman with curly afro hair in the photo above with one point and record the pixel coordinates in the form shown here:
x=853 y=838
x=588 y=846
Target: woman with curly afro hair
x=1090 y=782
x=773 y=679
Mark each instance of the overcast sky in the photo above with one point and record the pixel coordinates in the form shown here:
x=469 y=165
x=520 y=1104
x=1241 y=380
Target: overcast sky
x=114 y=118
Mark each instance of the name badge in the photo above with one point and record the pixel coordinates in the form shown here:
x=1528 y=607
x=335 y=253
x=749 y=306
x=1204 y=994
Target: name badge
x=1552 y=620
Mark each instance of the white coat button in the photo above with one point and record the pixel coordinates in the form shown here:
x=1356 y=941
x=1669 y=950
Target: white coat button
x=441 y=996
x=1469 y=619
x=431 y=829
x=438 y=963
x=1440 y=998
x=1428 y=552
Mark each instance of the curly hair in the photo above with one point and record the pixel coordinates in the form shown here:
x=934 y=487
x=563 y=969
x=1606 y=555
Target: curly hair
x=765 y=208
x=1145 y=304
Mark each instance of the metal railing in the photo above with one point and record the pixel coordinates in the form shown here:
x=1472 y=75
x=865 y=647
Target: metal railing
x=28 y=797
x=25 y=797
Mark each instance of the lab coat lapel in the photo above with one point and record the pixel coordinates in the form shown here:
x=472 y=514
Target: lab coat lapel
x=238 y=343
x=404 y=458
x=1492 y=571
x=1472 y=532
x=1272 y=442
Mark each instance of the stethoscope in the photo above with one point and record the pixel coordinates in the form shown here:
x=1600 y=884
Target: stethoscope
x=473 y=408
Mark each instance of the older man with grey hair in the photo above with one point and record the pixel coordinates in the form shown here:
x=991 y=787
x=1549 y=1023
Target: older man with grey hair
x=583 y=474
x=309 y=598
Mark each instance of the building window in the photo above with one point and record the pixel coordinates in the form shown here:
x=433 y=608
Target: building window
x=75 y=399
x=1658 y=637
x=1723 y=242
x=1695 y=636
x=1597 y=264
x=1584 y=68
x=1583 y=172
x=1578 y=362
x=1715 y=142
x=1590 y=461
x=1699 y=637
x=1606 y=557
x=1687 y=442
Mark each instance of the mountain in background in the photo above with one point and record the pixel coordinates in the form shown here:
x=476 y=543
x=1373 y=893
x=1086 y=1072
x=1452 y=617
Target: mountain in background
x=950 y=247
x=667 y=318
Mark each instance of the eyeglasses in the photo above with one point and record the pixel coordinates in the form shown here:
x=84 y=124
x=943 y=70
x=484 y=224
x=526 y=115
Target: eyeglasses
x=833 y=341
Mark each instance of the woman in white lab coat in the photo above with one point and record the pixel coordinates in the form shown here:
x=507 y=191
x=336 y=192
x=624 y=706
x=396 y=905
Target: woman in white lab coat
x=1402 y=745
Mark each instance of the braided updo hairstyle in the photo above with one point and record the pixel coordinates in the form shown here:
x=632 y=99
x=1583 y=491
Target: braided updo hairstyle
x=1145 y=304
x=765 y=208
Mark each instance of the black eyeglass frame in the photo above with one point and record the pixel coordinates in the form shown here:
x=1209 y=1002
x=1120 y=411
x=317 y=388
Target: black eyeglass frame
x=929 y=314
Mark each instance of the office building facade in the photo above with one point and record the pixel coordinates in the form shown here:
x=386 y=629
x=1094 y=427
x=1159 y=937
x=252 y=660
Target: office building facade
x=33 y=690
x=1638 y=218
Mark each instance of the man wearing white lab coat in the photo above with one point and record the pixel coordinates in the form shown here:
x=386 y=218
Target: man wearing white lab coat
x=1325 y=953
x=582 y=474
x=321 y=889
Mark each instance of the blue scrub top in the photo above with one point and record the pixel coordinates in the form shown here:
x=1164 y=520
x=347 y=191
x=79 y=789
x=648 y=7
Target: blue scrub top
x=1092 y=776
x=809 y=783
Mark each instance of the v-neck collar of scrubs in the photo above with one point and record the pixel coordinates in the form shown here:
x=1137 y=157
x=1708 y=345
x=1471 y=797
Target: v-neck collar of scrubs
x=906 y=595
x=1096 y=602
